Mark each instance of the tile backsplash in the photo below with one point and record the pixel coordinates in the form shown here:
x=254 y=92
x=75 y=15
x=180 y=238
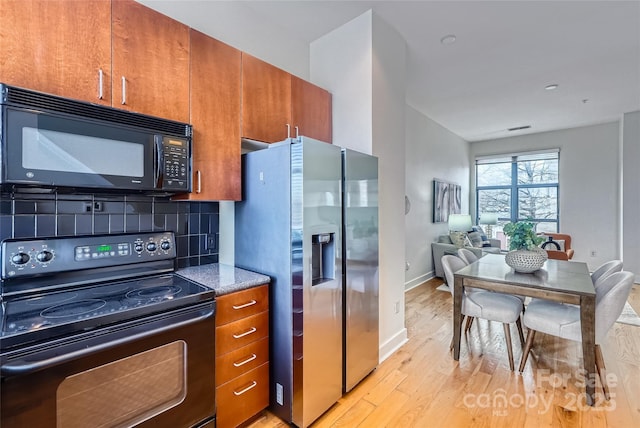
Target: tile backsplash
x=26 y=215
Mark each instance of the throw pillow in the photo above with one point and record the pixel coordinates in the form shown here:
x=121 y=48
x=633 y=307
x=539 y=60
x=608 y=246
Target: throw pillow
x=444 y=239
x=476 y=239
x=485 y=238
x=458 y=238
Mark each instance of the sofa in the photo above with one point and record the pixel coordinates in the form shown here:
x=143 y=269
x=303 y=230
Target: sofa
x=445 y=245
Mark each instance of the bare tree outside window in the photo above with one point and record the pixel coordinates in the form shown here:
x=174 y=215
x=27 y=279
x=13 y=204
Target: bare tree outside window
x=519 y=187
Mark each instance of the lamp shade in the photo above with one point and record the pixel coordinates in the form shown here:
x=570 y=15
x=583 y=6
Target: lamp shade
x=488 y=218
x=459 y=222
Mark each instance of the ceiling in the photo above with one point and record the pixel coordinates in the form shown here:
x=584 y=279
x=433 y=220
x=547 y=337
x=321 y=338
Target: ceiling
x=493 y=77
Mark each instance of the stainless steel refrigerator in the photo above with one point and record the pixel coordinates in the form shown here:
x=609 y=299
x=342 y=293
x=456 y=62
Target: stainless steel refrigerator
x=360 y=266
x=289 y=226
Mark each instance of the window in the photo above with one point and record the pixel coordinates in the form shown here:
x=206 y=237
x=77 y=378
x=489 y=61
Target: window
x=519 y=187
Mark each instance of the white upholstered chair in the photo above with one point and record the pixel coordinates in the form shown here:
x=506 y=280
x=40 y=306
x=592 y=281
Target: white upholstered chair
x=605 y=270
x=467 y=255
x=564 y=320
x=491 y=306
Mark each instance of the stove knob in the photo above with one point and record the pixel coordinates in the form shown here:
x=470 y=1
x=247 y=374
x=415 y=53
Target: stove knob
x=44 y=256
x=138 y=247
x=20 y=258
x=165 y=245
x=151 y=246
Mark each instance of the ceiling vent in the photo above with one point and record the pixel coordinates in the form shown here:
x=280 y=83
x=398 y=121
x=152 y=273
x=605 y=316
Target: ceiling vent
x=519 y=128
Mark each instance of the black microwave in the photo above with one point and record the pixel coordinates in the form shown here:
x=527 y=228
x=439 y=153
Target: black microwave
x=52 y=142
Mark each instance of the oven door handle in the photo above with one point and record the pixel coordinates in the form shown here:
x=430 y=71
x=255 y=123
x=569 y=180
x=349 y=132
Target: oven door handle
x=26 y=367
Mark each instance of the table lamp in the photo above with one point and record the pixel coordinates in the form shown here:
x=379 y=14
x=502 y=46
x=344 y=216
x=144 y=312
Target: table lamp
x=489 y=219
x=459 y=222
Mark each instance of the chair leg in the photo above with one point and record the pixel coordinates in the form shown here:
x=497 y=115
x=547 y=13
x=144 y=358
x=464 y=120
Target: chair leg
x=602 y=371
x=527 y=349
x=520 y=333
x=507 y=336
x=467 y=327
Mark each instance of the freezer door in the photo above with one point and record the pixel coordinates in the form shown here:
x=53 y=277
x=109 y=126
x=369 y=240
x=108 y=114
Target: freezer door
x=316 y=213
x=360 y=235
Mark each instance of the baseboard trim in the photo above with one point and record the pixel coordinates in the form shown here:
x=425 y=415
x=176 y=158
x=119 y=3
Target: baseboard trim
x=417 y=281
x=393 y=344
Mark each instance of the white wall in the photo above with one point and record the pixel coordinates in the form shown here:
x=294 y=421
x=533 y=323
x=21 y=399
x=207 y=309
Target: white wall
x=389 y=83
x=631 y=192
x=341 y=62
x=362 y=64
x=238 y=25
x=432 y=151
x=589 y=183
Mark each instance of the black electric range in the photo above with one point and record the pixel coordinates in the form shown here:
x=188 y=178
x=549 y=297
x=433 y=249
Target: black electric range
x=56 y=287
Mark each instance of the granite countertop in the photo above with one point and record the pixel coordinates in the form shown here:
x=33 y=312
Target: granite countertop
x=223 y=279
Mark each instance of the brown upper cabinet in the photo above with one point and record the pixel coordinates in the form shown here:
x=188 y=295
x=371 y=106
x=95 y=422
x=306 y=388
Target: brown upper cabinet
x=215 y=116
x=277 y=105
x=58 y=47
x=150 y=62
x=86 y=49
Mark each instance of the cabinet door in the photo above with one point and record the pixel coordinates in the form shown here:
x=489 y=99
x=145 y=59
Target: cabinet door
x=215 y=116
x=310 y=110
x=58 y=47
x=266 y=100
x=151 y=57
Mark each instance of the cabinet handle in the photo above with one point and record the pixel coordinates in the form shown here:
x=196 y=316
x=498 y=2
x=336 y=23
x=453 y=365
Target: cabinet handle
x=297 y=132
x=100 y=84
x=242 y=391
x=124 y=90
x=251 y=303
x=246 y=333
x=199 y=181
x=248 y=360
x=288 y=131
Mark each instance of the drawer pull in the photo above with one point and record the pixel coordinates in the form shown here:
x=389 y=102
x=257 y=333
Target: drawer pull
x=248 y=360
x=246 y=333
x=246 y=305
x=253 y=384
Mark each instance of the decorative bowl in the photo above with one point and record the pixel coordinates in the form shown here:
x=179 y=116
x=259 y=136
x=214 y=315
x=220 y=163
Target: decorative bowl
x=526 y=261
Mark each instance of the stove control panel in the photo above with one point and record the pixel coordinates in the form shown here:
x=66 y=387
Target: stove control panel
x=59 y=254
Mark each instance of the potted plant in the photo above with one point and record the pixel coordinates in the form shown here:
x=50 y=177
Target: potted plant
x=525 y=255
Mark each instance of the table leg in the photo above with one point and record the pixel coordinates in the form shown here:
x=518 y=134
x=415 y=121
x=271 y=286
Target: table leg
x=588 y=326
x=457 y=318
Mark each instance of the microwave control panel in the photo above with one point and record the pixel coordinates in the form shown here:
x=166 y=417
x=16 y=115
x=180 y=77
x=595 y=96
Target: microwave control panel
x=175 y=159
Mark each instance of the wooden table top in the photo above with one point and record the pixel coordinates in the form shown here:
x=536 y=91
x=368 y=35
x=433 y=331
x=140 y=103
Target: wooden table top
x=557 y=275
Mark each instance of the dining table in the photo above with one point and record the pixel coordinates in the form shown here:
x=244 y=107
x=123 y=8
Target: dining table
x=558 y=280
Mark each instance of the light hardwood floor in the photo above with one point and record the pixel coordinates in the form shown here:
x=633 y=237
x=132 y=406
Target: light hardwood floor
x=420 y=385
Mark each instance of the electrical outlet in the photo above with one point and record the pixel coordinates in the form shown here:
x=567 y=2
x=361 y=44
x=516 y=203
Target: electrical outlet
x=396 y=307
x=593 y=253
x=407 y=266
x=210 y=243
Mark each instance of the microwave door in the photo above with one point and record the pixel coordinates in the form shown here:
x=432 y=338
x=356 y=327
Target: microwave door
x=49 y=150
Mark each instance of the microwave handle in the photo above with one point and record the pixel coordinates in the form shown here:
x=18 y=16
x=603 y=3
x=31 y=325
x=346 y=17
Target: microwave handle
x=158 y=164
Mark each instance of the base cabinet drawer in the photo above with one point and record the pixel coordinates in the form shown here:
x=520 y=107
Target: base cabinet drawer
x=242 y=332
x=241 y=304
x=240 y=361
x=243 y=397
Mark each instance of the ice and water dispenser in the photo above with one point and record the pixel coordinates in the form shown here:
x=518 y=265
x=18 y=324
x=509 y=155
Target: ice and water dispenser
x=323 y=257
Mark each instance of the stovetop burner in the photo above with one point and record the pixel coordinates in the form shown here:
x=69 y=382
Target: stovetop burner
x=154 y=293
x=49 y=315
x=74 y=309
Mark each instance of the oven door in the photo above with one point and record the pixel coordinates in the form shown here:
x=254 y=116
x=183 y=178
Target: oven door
x=50 y=150
x=153 y=372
